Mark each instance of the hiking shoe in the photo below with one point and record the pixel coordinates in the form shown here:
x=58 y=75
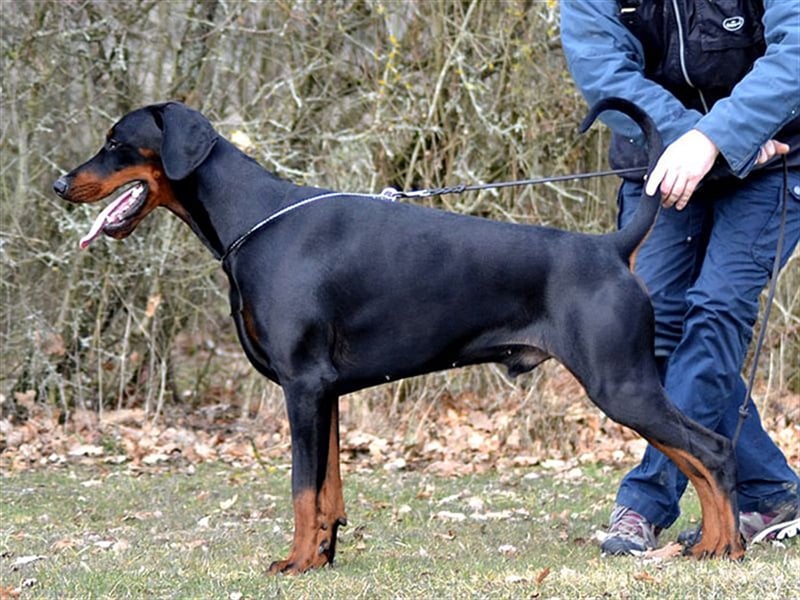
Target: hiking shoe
x=629 y=533
x=782 y=523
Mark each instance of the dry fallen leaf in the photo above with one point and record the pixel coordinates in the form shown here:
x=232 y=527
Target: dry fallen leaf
x=152 y=459
x=507 y=550
x=143 y=515
x=400 y=512
x=64 y=544
x=22 y=561
x=542 y=575
x=8 y=593
x=85 y=450
x=226 y=504
x=395 y=464
x=667 y=552
x=446 y=515
x=104 y=544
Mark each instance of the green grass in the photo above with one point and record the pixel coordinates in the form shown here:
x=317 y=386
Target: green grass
x=211 y=532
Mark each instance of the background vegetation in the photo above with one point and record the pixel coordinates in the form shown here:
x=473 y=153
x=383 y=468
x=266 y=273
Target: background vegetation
x=351 y=94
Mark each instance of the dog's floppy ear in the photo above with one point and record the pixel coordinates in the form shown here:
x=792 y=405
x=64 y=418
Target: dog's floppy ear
x=187 y=139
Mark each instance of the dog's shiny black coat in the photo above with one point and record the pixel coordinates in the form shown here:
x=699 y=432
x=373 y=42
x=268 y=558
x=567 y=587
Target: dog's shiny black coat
x=349 y=292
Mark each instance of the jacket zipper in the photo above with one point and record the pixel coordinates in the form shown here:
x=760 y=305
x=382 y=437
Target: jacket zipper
x=682 y=53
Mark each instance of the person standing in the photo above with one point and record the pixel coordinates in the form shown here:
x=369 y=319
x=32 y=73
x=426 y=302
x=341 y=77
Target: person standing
x=721 y=80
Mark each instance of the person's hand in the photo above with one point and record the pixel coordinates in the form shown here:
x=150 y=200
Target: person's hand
x=771 y=149
x=681 y=167
x=687 y=160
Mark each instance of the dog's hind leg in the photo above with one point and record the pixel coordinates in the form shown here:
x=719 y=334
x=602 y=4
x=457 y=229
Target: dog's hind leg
x=316 y=480
x=627 y=388
x=706 y=458
x=607 y=342
x=714 y=479
x=331 y=496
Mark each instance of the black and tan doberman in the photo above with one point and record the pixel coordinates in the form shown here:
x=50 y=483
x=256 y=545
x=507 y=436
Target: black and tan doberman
x=333 y=292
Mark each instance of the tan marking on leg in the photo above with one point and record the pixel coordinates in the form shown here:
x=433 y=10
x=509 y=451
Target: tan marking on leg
x=331 y=497
x=720 y=535
x=303 y=555
x=317 y=515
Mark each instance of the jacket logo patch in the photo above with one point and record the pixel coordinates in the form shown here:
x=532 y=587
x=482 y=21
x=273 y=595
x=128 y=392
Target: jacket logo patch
x=733 y=23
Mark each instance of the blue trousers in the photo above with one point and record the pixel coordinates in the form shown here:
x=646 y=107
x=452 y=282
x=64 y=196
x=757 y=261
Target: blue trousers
x=705 y=268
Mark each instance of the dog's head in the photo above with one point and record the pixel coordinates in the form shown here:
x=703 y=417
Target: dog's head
x=144 y=153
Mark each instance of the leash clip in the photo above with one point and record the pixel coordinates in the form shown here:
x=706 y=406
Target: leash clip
x=391 y=193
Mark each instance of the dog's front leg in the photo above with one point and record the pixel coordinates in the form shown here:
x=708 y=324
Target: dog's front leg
x=316 y=482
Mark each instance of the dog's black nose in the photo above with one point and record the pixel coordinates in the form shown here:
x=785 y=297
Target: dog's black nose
x=60 y=186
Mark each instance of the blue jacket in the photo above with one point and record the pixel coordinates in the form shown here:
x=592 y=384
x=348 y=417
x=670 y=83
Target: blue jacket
x=607 y=59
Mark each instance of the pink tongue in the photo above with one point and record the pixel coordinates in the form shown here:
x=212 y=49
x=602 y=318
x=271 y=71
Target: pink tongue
x=102 y=218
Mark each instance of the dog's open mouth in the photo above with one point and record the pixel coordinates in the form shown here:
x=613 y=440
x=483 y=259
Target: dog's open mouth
x=116 y=216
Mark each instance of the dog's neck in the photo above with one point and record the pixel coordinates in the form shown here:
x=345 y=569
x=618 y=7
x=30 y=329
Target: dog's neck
x=221 y=209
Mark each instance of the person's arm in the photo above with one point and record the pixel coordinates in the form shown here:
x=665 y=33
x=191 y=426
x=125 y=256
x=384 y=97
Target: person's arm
x=606 y=60
x=766 y=98
x=741 y=126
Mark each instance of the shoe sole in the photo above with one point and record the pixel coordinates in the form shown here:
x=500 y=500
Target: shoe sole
x=783 y=531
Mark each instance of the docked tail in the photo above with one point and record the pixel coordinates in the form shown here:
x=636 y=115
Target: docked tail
x=630 y=237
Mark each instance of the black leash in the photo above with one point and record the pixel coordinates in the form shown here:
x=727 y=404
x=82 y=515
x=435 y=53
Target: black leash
x=776 y=267
x=460 y=189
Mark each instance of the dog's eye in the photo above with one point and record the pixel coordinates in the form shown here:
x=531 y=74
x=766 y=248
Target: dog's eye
x=112 y=144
